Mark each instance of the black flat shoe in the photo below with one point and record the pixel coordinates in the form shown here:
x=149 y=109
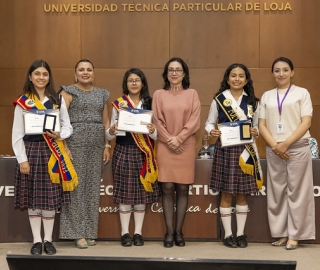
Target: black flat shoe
x=178 y=240
x=137 y=240
x=36 y=249
x=126 y=240
x=229 y=242
x=168 y=240
x=241 y=241
x=49 y=248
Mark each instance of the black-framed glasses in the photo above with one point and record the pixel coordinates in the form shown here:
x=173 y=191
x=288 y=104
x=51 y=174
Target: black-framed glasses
x=177 y=71
x=137 y=81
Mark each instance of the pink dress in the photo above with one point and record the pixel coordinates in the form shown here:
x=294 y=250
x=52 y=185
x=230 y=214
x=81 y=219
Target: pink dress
x=176 y=114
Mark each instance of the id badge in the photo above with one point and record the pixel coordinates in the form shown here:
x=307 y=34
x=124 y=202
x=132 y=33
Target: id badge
x=280 y=128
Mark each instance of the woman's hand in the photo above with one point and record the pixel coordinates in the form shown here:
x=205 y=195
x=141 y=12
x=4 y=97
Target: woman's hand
x=179 y=150
x=151 y=127
x=113 y=129
x=173 y=143
x=68 y=152
x=215 y=133
x=106 y=155
x=25 y=167
x=281 y=151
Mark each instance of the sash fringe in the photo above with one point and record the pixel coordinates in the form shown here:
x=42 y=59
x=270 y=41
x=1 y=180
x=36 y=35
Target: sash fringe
x=245 y=167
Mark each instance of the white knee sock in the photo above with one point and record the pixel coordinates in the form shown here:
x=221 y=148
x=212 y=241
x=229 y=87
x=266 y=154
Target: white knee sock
x=48 y=222
x=125 y=214
x=138 y=213
x=226 y=220
x=241 y=215
x=35 y=223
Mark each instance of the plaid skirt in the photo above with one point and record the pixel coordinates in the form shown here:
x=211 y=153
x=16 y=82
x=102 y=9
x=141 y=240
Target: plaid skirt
x=36 y=191
x=226 y=174
x=127 y=162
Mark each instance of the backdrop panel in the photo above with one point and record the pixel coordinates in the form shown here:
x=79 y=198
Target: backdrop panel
x=202 y=220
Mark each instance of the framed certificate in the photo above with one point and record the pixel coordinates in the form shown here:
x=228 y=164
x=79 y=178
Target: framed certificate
x=40 y=121
x=235 y=133
x=49 y=122
x=134 y=120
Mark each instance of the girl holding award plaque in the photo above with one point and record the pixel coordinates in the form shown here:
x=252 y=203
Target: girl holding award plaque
x=134 y=167
x=236 y=169
x=284 y=122
x=36 y=187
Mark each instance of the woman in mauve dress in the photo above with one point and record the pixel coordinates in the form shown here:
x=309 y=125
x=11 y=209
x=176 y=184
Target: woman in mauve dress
x=176 y=115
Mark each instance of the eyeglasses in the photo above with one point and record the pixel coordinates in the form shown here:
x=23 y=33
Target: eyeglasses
x=177 y=71
x=137 y=81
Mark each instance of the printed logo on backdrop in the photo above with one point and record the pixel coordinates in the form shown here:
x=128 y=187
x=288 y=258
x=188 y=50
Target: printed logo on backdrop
x=195 y=190
x=165 y=7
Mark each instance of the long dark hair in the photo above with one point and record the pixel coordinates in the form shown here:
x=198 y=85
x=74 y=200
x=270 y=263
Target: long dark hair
x=248 y=88
x=282 y=59
x=29 y=89
x=186 y=78
x=144 y=93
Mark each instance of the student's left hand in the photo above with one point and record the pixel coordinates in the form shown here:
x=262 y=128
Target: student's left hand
x=254 y=132
x=53 y=134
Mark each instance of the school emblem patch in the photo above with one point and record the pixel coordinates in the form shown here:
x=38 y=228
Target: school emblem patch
x=30 y=103
x=227 y=102
x=123 y=104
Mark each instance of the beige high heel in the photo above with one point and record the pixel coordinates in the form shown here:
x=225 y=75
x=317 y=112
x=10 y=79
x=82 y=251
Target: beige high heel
x=81 y=243
x=291 y=246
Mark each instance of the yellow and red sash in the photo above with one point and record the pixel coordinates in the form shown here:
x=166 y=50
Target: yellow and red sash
x=59 y=163
x=149 y=170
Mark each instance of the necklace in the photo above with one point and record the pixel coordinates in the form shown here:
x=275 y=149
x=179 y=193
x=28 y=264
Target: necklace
x=175 y=88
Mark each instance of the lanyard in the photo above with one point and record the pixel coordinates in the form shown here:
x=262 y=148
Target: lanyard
x=280 y=103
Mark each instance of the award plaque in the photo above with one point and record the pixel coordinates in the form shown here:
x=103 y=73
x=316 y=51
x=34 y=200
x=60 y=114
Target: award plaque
x=235 y=133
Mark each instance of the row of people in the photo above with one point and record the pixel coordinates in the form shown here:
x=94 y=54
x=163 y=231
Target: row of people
x=283 y=118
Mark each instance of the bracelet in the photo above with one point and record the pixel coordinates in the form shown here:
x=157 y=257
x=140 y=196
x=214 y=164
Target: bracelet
x=107 y=145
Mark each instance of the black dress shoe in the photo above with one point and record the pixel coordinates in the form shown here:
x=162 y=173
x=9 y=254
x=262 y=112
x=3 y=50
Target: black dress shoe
x=49 y=248
x=36 y=249
x=241 y=241
x=178 y=239
x=229 y=242
x=137 y=240
x=168 y=240
x=126 y=240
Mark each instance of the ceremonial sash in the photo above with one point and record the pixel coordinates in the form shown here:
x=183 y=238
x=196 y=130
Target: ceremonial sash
x=149 y=170
x=249 y=161
x=59 y=163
